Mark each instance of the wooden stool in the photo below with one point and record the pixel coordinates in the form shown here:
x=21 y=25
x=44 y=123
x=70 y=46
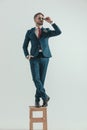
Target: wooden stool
x=42 y=119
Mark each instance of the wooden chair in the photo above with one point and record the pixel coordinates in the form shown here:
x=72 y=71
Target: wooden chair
x=42 y=119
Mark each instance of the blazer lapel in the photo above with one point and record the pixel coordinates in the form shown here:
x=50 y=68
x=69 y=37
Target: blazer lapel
x=34 y=35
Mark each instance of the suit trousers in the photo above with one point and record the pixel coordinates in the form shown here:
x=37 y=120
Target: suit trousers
x=38 y=67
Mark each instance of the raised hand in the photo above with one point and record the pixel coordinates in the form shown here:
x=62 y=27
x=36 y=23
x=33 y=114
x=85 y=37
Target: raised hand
x=48 y=19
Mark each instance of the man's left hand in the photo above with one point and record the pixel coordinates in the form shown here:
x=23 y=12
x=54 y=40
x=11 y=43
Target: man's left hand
x=48 y=19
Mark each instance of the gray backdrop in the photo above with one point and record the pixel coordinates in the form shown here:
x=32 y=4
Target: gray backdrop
x=66 y=80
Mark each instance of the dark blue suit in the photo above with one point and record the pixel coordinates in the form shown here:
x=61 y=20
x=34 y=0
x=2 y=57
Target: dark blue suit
x=39 y=63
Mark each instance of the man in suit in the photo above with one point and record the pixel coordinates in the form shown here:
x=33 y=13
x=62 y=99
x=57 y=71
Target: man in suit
x=39 y=54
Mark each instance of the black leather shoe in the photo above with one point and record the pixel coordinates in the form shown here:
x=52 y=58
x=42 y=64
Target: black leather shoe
x=45 y=102
x=37 y=104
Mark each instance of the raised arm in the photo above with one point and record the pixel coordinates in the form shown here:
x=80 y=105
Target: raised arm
x=56 y=30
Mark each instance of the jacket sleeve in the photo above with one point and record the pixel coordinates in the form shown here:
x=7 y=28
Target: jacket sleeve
x=54 y=32
x=25 y=43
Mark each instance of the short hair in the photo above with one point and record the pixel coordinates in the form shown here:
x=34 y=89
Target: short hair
x=38 y=14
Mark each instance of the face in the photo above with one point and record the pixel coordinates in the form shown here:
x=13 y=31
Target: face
x=39 y=19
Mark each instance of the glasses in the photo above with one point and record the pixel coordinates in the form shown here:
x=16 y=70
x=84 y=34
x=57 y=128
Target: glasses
x=41 y=18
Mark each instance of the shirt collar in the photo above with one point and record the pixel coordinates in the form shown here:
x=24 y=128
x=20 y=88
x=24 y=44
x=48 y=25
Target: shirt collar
x=39 y=27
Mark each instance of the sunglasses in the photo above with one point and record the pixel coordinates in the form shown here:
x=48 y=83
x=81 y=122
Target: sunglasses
x=41 y=18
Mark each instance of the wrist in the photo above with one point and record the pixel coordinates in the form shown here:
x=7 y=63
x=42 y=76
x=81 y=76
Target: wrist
x=27 y=56
x=52 y=22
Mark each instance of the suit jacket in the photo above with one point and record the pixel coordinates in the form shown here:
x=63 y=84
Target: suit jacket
x=43 y=40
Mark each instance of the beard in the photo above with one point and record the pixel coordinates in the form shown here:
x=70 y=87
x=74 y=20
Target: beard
x=40 y=23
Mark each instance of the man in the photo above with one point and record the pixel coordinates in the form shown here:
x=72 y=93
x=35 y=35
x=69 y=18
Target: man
x=39 y=54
